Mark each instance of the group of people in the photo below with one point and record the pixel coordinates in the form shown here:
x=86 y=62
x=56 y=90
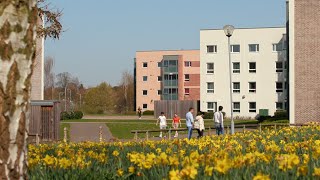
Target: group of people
x=192 y=123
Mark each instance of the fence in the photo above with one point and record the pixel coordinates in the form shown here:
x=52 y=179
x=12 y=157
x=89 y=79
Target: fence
x=209 y=129
x=44 y=124
x=169 y=107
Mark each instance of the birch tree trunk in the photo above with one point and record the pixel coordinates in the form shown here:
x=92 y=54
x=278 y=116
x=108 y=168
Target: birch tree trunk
x=18 y=20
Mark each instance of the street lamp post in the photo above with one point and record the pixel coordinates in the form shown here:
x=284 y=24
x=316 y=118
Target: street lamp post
x=65 y=99
x=60 y=95
x=170 y=94
x=228 y=30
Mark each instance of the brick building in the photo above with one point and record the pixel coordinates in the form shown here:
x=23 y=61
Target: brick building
x=166 y=75
x=304 y=60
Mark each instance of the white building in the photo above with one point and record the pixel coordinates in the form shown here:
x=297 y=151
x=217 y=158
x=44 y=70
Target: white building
x=259 y=70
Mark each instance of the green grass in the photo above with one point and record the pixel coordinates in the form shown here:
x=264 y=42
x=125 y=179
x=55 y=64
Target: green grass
x=62 y=126
x=123 y=131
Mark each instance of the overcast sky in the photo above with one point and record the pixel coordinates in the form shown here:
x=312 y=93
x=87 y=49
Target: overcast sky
x=101 y=36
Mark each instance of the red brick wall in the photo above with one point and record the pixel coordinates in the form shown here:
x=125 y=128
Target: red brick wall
x=194 y=80
x=307 y=60
x=194 y=94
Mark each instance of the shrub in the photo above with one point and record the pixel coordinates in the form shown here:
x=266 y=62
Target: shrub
x=148 y=112
x=208 y=115
x=71 y=115
x=280 y=115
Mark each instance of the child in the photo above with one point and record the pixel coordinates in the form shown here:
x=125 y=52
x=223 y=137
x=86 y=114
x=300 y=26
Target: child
x=200 y=124
x=163 y=122
x=175 y=123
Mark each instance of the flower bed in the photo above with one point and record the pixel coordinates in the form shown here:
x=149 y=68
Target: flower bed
x=288 y=153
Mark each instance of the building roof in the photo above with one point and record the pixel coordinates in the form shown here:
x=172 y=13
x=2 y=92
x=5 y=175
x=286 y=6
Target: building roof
x=170 y=50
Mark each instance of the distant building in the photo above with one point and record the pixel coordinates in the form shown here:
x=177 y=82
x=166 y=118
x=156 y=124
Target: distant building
x=166 y=75
x=37 y=78
x=259 y=70
x=304 y=60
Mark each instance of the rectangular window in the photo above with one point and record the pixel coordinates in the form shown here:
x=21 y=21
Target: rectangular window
x=212 y=49
x=279 y=66
x=159 y=78
x=173 y=63
x=159 y=64
x=236 y=87
x=236 y=67
x=279 y=105
x=210 y=68
x=159 y=92
x=252 y=107
x=236 y=107
x=170 y=91
x=145 y=106
x=252 y=87
x=145 y=92
x=235 y=48
x=186 y=77
x=279 y=86
x=187 y=63
x=253 y=47
x=165 y=63
x=276 y=47
x=186 y=91
x=252 y=67
x=210 y=87
x=211 y=107
x=170 y=76
x=145 y=64
x=145 y=78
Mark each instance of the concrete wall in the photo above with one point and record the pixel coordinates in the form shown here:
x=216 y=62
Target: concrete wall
x=265 y=76
x=304 y=30
x=153 y=71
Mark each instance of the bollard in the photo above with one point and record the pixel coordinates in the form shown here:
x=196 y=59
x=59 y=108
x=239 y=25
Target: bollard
x=136 y=135
x=244 y=128
x=260 y=129
x=228 y=130
x=169 y=134
x=65 y=134
x=37 y=139
x=275 y=127
x=100 y=134
x=147 y=135
x=209 y=130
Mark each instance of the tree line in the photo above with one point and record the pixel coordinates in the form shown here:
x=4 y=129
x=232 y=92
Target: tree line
x=100 y=99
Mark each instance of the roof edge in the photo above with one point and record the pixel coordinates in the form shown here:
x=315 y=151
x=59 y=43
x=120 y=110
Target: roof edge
x=274 y=27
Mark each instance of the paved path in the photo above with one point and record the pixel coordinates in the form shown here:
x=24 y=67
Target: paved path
x=88 y=132
x=116 y=117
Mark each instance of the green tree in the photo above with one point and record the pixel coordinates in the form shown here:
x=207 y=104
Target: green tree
x=99 y=99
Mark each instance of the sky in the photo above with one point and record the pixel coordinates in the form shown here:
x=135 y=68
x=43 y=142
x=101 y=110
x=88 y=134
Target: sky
x=101 y=37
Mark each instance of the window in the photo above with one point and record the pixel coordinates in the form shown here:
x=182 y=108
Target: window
x=159 y=64
x=252 y=67
x=173 y=63
x=170 y=91
x=279 y=87
x=252 y=87
x=145 y=64
x=187 y=64
x=276 y=47
x=159 y=92
x=210 y=68
x=145 y=92
x=159 y=78
x=236 y=87
x=186 y=77
x=171 y=77
x=145 y=78
x=145 y=106
x=252 y=107
x=210 y=87
x=279 y=66
x=235 y=48
x=253 y=47
x=212 y=49
x=279 y=105
x=236 y=107
x=211 y=107
x=236 y=67
x=186 y=91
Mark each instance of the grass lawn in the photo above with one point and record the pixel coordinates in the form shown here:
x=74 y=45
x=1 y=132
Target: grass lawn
x=121 y=128
x=62 y=126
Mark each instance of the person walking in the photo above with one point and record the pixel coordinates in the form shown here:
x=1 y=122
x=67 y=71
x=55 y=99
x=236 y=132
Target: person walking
x=175 y=123
x=218 y=120
x=200 y=124
x=139 y=112
x=163 y=123
x=189 y=122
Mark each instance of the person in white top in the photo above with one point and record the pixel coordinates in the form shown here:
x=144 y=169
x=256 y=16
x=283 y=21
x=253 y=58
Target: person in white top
x=218 y=120
x=163 y=122
x=199 y=124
